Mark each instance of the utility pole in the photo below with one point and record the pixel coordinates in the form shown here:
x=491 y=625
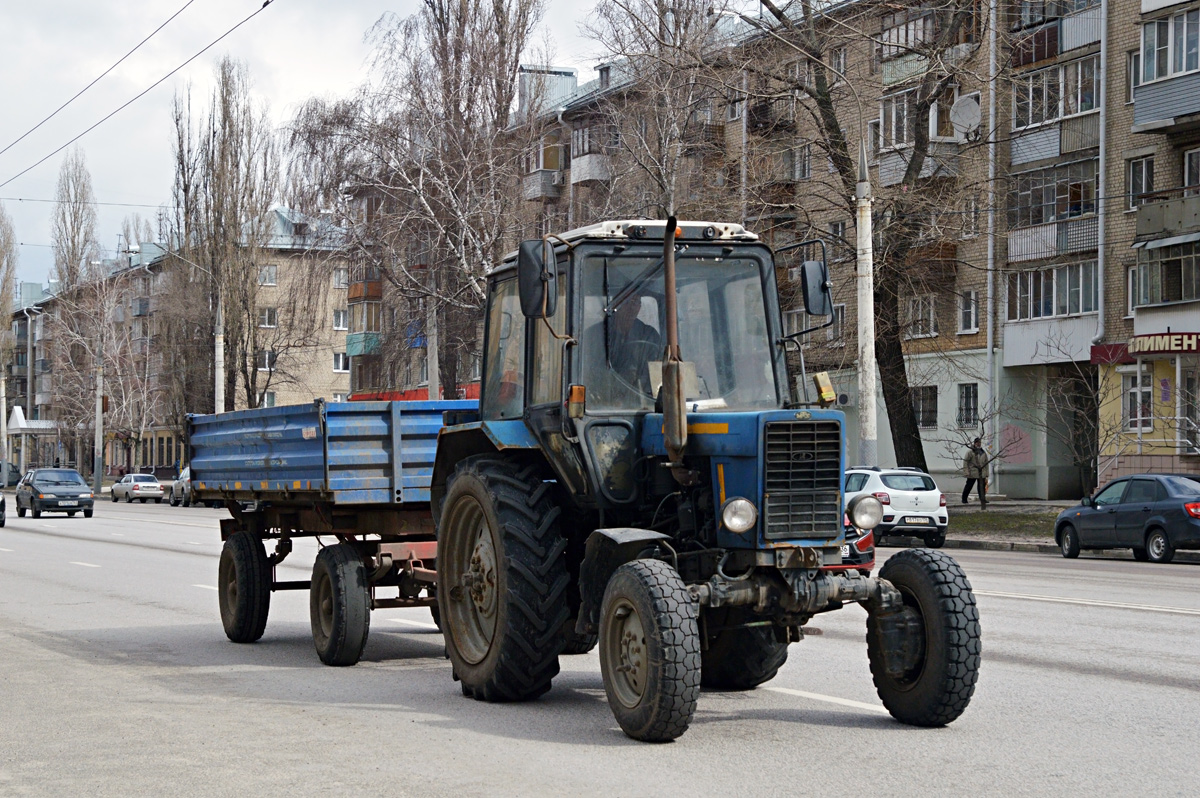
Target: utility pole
x=98 y=459
x=219 y=356
x=868 y=437
x=28 y=384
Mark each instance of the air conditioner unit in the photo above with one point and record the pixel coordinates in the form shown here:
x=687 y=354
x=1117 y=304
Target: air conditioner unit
x=559 y=178
x=844 y=399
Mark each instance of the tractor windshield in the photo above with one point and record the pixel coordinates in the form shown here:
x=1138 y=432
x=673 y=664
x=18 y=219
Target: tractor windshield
x=724 y=338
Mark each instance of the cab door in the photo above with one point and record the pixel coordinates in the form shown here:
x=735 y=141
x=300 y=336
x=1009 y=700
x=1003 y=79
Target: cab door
x=1097 y=524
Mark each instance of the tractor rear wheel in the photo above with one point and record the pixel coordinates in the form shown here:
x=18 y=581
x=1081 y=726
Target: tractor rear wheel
x=244 y=587
x=937 y=685
x=650 y=651
x=739 y=657
x=503 y=576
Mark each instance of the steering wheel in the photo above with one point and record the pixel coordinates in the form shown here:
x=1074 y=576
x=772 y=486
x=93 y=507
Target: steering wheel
x=638 y=351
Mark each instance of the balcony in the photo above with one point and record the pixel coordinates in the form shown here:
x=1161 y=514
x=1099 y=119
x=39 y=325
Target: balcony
x=1168 y=214
x=364 y=291
x=898 y=70
x=1050 y=240
x=934 y=264
x=941 y=162
x=772 y=116
x=1171 y=105
x=543 y=184
x=591 y=169
x=698 y=138
x=359 y=344
x=141 y=306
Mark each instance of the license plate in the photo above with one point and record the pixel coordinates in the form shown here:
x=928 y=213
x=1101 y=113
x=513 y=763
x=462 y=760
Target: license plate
x=845 y=552
x=68 y=504
x=915 y=519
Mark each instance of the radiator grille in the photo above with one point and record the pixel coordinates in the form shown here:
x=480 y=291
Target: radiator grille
x=803 y=480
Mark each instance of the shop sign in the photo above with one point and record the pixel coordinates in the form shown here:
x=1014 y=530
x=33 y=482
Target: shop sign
x=1165 y=344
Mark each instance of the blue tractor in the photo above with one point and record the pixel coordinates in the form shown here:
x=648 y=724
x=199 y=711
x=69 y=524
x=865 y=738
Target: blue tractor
x=639 y=477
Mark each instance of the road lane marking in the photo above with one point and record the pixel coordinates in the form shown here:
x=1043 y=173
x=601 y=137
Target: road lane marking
x=205 y=587
x=194 y=543
x=8 y=550
x=1089 y=602
x=407 y=622
x=829 y=699
x=118 y=534
x=84 y=564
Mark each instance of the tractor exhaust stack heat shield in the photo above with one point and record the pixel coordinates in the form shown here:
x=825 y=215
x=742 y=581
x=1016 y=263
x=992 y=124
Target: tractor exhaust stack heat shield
x=674 y=408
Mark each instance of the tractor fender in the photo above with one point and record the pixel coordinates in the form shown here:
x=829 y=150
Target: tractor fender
x=606 y=550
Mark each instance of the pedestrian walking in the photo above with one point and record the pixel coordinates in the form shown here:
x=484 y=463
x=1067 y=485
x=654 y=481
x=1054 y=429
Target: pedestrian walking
x=975 y=465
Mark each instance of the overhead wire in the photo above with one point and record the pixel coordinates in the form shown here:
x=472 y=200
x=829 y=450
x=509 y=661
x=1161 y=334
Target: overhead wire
x=142 y=94
x=79 y=93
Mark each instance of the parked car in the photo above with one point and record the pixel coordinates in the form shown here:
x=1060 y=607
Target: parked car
x=60 y=490
x=9 y=474
x=913 y=506
x=181 y=489
x=138 y=486
x=1153 y=514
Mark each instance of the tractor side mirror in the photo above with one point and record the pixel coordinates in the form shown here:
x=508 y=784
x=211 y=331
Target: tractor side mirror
x=814 y=282
x=537 y=278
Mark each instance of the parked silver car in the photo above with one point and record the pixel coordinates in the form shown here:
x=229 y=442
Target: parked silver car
x=138 y=486
x=181 y=489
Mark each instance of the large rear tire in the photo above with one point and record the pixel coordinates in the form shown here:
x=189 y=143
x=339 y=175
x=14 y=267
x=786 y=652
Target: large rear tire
x=244 y=587
x=939 y=685
x=503 y=577
x=339 y=605
x=650 y=651
x=739 y=657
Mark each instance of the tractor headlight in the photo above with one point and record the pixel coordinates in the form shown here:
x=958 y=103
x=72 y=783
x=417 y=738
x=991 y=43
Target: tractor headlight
x=865 y=511
x=739 y=515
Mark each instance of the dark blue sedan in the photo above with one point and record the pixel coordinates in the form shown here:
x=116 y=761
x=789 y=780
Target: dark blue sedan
x=1153 y=514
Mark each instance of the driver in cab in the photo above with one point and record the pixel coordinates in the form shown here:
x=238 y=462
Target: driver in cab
x=628 y=348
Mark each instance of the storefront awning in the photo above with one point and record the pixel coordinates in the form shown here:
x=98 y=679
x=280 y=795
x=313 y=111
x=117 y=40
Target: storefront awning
x=1167 y=242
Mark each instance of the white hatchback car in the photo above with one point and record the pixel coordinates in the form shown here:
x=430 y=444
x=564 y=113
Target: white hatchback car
x=138 y=486
x=912 y=504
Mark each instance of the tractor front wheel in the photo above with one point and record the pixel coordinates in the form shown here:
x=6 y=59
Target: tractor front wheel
x=939 y=674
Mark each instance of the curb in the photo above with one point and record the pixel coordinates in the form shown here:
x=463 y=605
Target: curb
x=1035 y=548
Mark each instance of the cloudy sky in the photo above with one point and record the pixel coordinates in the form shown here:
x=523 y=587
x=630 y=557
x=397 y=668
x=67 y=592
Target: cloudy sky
x=294 y=49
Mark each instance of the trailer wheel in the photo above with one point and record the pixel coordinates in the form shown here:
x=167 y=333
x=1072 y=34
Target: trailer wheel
x=244 y=587
x=339 y=604
x=739 y=657
x=503 y=579
x=650 y=651
x=938 y=685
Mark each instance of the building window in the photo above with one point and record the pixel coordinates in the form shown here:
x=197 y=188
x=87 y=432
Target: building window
x=1133 y=73
x=837 y=64
x=835 y=332
x=1169 y=274
x=1138 y=401
x=366 y=317
x=268 y=275
x=968 y=312
x=922 y=316
x=264 y=360
x=970 y=216
x=1139 y=180
x=338 y=397
x=266 y=399
x=968 y=404
x=341 y=362
x=1131 y=283
x=905 y=31
x=837 y=240
x=341 y=277
x=1191 y=173
x=1081 y=87
x=1171 y=46
x=924 y=399
x=802 y=161
x=1035 y=97
x=1048 y=195
x=268 y=317
x=733 y=105
x=941 y=127
x=341 y=319
x=895 y=120
x=1062 y=291
x=873 y=142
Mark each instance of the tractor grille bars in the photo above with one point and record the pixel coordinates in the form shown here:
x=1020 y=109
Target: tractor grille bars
x=802 y=494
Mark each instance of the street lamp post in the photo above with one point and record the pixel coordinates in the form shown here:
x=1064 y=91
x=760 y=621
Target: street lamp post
x=29 y=314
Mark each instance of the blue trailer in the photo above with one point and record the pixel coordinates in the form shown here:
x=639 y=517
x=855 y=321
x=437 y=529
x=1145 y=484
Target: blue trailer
x=358 y=472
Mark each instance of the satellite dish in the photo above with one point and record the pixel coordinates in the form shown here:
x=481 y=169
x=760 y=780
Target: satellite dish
x=965 y=117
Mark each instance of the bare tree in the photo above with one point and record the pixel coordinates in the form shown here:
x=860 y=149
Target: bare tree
x=422 y=163
x=73 y=234
x=8 y=276
x=227 y=175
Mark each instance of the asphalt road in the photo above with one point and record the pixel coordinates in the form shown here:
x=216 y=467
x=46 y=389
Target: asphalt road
x=116 y=679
